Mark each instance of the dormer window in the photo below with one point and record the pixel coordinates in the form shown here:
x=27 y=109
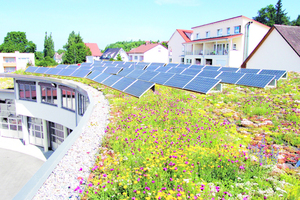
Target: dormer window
x=207 y=34
x=219 y=32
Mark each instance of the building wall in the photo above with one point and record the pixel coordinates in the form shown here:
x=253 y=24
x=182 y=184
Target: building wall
x=215 y=26
x=157 y=54
x=275 y=53
x=123 y=55
x=15 y=61
x=175 y=48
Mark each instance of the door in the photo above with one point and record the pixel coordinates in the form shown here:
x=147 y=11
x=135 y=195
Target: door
x=35 y=130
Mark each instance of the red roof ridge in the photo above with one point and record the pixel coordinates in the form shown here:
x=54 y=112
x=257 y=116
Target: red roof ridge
x=94 y=49
x=183 y=35
x=144 y=48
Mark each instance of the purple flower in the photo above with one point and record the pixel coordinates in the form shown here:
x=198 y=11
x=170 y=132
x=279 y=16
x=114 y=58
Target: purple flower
x=153 y=181
x=104 y=175
x=171 y=179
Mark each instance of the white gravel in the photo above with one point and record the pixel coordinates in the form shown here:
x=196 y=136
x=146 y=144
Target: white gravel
x=64 y=182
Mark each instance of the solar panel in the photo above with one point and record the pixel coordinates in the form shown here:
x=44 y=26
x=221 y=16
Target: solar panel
x=73 y=67
x=157 y=64
x=202 y=84
x=229 y=69
x=125 y=65
x=176 y=70
x=98 y=69
x=171 y=65
x=54 y=71
x=81 y=73
x=118 y=62
x=138 y=88
x=191 y=72
x=248 y=71
x=230 y=77
x=125 y=71
x=209 y=73
x=102 y=77
x=163 y=69
x=152 y=67
x=42 y=70
x=183 y=66
x=196 y=67
x=123 y=83
x=98 y=65
x=87 y=65
x=135 y=73
x=178 y=81
x=148 y=75
x=94 y=74
x=110 y=65
x=277 y=73
x=66 y=72
x=62 y=66
x=139 y=66
x=111 y=80
x=255 y=80
x=161 y=78
x=112 y=70
x=210 y=67
x=31 y=69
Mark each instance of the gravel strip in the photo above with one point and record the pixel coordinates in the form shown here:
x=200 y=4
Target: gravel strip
x=64 y=182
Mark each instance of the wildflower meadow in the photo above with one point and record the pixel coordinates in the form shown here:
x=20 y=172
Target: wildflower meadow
x=241 y=143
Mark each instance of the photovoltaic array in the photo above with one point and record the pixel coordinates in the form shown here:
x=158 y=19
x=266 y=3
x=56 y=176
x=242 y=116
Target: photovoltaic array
x=137 y=78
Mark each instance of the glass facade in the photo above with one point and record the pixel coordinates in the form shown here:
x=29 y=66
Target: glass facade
x=68 y=98
x=27 y=90
x=83 y=103
x=49 y=95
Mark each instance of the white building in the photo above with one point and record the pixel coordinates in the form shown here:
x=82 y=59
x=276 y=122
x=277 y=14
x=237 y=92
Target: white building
x=176 y=47
x=227 y=42
x=279 y=50
x=113 y=54
x=149 y=53
x=10 y=62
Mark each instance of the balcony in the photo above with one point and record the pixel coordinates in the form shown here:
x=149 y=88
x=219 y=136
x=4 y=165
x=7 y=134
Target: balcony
x=207 y=52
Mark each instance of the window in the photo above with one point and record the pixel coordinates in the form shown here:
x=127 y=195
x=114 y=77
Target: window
x=68 y=98
x=228 y=31
x=27 y=90
x=188 y=61
x=135 y=57
x=219 y=32
x=170 y=60
x=234 y=47
x=197 y=36
x=83 y=103
x=182 y=60
x=48 y=93
x=141 y=58
x=207 y=34
x=237 y=29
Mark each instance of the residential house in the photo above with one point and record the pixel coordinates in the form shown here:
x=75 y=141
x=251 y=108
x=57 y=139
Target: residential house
x=58 y=57
x=227 y=42
x=10 y=62
x=176 y=47
x=279 y=49
x=149 y=53
x=96 y=53
x=113 y=53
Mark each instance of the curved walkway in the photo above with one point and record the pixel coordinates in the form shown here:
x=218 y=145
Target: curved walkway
x=15 y=170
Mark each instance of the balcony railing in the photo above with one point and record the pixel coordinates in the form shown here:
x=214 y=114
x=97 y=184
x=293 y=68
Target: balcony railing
x=206 y=52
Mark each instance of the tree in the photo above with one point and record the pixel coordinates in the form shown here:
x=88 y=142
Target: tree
x=271 y=15
x=296 y=22
x=119 y=58
x=76 y=51
x=17 y=41
x=39 y=55
x=48 y=46
x=60 y=51
x=46 y=62
x=164 y=44
x=281 y=16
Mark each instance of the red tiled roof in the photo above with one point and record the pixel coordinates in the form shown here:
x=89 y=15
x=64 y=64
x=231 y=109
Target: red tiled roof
x=94 y=49
x=144 y=48
x=183 y=34
x=215 y=38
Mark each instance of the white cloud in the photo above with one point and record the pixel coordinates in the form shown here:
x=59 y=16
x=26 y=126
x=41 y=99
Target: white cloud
x=178 y=2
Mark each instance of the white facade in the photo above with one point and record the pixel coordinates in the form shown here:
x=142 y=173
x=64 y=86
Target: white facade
x=276 y=54
x=10 y=62
x=224 y=42
x=156 y=54
x=123 y=55
x=176 y=48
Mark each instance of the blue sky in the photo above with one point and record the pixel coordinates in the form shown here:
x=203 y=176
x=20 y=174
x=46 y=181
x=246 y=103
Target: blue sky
x=105 y=22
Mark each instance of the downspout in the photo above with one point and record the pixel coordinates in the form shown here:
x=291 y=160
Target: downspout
x=246 y=40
